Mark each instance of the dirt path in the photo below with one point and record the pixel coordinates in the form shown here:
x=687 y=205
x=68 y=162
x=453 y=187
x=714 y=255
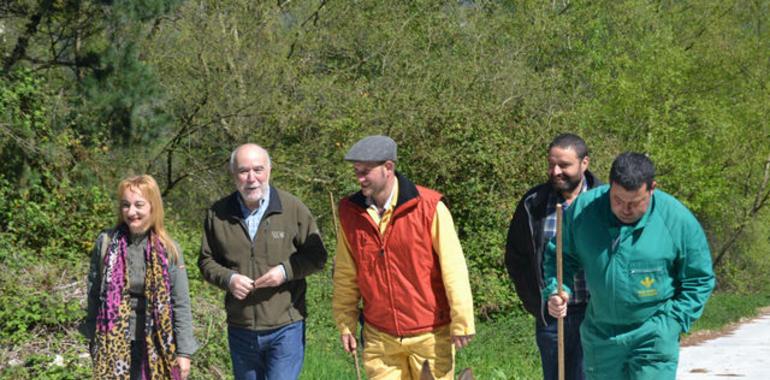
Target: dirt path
x=742 y=352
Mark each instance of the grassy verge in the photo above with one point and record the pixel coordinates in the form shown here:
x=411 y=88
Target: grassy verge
x=503 y=349
x=723 y=309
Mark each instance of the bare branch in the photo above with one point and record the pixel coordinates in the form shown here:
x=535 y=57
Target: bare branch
x=25 y=145
x=315 y=16
x=23 y=42
x=762 y=196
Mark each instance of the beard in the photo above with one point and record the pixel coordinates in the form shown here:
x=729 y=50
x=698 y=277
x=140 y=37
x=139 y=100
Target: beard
x=565 y=183
x=254 y=196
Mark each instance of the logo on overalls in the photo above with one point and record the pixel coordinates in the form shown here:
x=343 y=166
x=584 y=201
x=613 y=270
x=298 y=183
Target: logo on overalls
x=278 y=234
x=648 y=291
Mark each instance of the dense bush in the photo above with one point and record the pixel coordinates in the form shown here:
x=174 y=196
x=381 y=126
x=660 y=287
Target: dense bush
x=47 y=234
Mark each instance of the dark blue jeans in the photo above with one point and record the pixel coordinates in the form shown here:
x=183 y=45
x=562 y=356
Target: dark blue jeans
x=547 y=342
x=267 y=355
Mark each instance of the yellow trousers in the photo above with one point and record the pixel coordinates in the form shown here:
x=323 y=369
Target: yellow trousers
x=388 y=357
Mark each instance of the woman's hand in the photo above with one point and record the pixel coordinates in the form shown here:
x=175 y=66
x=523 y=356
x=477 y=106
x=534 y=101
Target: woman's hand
x=184 y=366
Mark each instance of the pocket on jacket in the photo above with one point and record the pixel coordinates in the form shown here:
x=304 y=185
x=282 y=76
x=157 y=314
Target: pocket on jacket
x=664 y=336
x=648 y=281
x=369 y=260
x=237 y=311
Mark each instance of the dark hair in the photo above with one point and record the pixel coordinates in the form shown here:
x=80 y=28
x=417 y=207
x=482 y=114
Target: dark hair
x=631 y=170
x=569 y=140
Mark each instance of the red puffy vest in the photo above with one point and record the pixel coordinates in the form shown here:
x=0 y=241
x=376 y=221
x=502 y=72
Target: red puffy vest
x=398 y=273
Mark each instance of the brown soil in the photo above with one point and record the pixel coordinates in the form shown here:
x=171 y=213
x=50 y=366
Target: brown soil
x=699 y=337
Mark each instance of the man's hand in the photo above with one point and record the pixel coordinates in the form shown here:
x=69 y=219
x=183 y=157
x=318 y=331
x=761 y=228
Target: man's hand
x=557 y=305
x=241 y=286
x=184 y=366
x=461 y=341
x=274 y=277
x=348 y=342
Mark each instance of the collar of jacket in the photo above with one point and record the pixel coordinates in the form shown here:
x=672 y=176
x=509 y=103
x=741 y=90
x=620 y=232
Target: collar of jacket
x=406 y=192
x=273 y=207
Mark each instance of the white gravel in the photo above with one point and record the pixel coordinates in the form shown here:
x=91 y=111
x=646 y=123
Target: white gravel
x=742 y=354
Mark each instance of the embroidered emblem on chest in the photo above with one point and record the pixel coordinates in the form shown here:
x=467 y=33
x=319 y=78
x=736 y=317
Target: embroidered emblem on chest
x=648 y=290
x=278 y=234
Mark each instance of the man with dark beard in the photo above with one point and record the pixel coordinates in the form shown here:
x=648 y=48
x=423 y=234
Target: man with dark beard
x=532 y=226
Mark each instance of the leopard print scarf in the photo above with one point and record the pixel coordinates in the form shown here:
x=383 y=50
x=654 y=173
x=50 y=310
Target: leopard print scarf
x=112 y=358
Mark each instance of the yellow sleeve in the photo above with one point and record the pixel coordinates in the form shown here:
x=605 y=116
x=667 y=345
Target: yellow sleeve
x=454 y=271
x=346 y=295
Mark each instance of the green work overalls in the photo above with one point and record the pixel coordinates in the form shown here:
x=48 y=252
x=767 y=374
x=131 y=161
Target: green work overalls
x=648 y=282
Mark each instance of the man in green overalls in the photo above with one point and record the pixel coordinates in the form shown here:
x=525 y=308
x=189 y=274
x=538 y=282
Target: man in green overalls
x=648 y=266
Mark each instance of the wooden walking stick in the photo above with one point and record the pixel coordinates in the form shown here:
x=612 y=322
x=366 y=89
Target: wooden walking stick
x=358 y=367
x=334 y=212
x=560 y=282
x=334 y=219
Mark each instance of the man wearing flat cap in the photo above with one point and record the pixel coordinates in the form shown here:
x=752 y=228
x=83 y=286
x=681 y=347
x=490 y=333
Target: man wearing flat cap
x=398 y=251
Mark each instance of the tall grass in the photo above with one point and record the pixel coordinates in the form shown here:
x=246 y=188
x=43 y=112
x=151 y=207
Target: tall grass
x=503 y=348
x=725 y=308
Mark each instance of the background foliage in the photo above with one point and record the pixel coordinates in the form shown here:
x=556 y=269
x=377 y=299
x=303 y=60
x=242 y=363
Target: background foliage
x=472 y=91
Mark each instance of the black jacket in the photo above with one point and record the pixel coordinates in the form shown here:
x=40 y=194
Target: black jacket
x=524 y=246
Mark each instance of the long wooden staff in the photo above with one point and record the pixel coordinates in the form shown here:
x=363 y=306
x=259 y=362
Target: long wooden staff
x=560 y=282
x=334 y=219
x=358 y=367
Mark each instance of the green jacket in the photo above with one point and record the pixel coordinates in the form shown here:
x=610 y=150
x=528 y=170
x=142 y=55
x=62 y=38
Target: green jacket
x=287 y=235
x=180 y=294
x=662 y=264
